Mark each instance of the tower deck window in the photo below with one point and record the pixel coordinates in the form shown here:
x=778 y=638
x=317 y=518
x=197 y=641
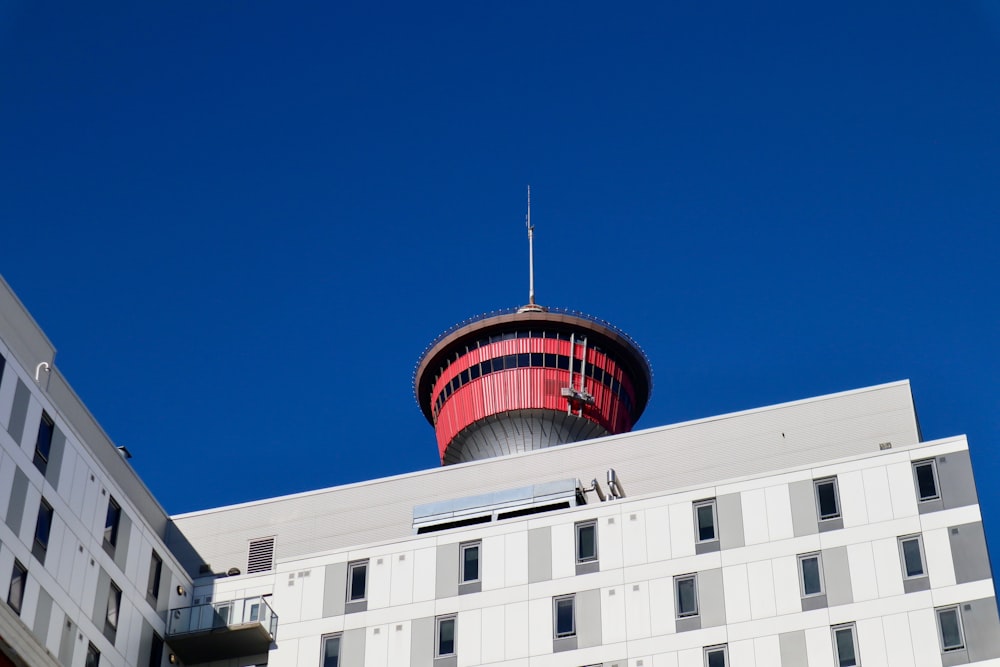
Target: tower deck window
x=950 y=625
x=15 y=593
x=925 y=476
x=357 y=581
x=845 y=645
x=43 y=443
x=717 y=656
x=111 y=521
x=810 y=575
x=43 y=529
x=827 y=499
x=911 y=554
x=586 y=541
x=445 y=645
x=686 y=595
x=470 y=562
x=706 y=520
x=564 y=621
x=155 y=573
x=331 y=651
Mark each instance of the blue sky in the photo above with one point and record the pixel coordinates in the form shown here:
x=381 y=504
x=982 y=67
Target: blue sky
x=241 y=222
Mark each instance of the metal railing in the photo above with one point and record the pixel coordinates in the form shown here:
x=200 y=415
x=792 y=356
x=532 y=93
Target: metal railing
x=223 y=614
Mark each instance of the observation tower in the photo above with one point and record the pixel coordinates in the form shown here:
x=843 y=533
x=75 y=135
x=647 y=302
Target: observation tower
x=528 y=378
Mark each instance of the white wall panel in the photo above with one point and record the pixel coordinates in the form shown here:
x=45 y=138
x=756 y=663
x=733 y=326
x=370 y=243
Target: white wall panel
x=633 y=538
x=681 y=530
x=424 y=573
x=937 y=552
x=31 y=420
x=877 y=497
x=819 y=647
x=742 y=654
x=901 y=489
x=376 y=646
x=864 y=585
x=852 y=498
x=539 y=626
x=288 y=656
x=665 y=660
x=517 y=617
x=493 y=632
x=31 y=502
x=761 y=580
x=7 y=467
x=636 y=610
x=786 y=585
x=401 y=578
x=754 y=517
x=378 y=582
x=610 y=544
x=398 y=644
x=564 y=549
x=312 y=593
x=691 y=657
x=737 y=592
x=492 y=562
x=871 y=641
x=661 y=606
x=658 y=534
x=516 y=560
x=470 y=637
x=888 y=572
x=898 y=643
x=779 y=512
x=767 y=651
x=924 y=633
x=613 y=614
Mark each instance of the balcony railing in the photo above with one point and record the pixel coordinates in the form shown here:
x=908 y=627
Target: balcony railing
x=226 y=629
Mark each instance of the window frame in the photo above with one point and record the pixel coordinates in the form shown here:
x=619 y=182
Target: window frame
x=155 y=650
x=46 y=426
x=155 y=576
x=801 y=558
x=579 y=527
x=697 y=521
x=957 y=609
x=678 y=580
x=19 y=574
x=439 y=623
x=46 y=513
x=556 y=601
x=112 y=522
x=932 y=464
x=113 y=611
x=462 y=549
x=351 y=567
x=841 y=627
x=717 y=648
x=93 y=658
x=323 y=657
x=918 y=538
x=836 y=499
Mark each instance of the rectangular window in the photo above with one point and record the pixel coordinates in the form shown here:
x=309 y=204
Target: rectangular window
x=43 y=528
x=155 y=572
x=331 y=651
x=705 y=518
x=827 y=498
x=445 y=634
x=93 y=656
x=950 y=625
x=111 y=521
x=114 y=609
x=925 y=476
x=586 y=541
x=911 y=555
x=43 y=443
x=686 y=595
x=564 y=616
x=810 y=575
x=18 y=580
x=156 y=651
x=845 y=645
x=357 y=581
x=470 y=562
x=717 y=656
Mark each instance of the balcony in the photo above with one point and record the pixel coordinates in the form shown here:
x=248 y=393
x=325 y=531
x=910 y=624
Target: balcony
x=227 y=629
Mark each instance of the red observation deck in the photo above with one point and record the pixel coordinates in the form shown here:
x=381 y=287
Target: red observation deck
x=529 y=378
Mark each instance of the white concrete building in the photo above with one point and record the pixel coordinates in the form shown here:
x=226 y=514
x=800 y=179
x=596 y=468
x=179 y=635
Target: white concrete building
x=822 y=532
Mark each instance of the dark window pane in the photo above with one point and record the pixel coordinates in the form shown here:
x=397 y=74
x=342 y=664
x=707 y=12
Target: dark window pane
x=454 y=384
x=845 y=648
x=93 y=657
x=15 y=594
x=550 y=360
x=706 y=523
x=586 y=542
x=111 y=521
x=474 y=371
x=446 y=636
x=155 y=570
x=510 y=335
x=926 y=484
x=498 y=364
x=523 y=360
x=687 y=604
x=564 y=617
x=811 y=582
x=470 y=563
x=359 y=574
x=827 y=495
x=331 y=651
x=577 y=366
x=951 y=633
x=524 y=334
x=463 y=377
x=717 y=658
x=510 y=361
x=562 y=362
x=911 y=557
x=537 y=359
x=43 y=443
x=156 y=651
x=43 y=525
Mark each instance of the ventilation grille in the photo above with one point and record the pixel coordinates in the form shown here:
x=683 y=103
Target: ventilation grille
x=261 y=556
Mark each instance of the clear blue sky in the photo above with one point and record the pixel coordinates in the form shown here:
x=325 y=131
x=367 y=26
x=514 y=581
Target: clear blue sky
x=241 y=222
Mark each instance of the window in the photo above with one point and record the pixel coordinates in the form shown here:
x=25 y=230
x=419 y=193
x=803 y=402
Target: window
x=564 y=618
x=686 y=595
x=43 y=443
x=845 y=645
x=810 y=575
x=705 y=519
x=93 y=656
x=827 y=499
x=911 y=555
x=925 y=475
x=43 y=528
x=155 y=571
x=357 y=581
x=586 y=541
x=111 y=522
x=114 y=609
x=156 y=651
x=15 y=594
x=470 y=562
x=331 y=651
x=950 y=624
x=445 y=633
x=716 y=656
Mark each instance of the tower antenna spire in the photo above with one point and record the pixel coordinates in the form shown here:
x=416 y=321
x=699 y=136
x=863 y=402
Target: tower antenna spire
x=531 y=253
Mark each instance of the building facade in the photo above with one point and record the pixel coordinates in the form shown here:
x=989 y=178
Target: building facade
x=822 y=532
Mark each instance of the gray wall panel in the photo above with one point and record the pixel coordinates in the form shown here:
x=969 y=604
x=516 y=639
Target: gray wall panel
x=67 y=643
x=446 y=571
x=43 y=615
x=352 y=648
x=422 y=642
x=15 y=510
x=801 y=495
x=711 y=598
x=968 y=552
x=588 y=618
x=539 y=554
x=334 y=589
x=837 y=576
x=101 y=599
x=730 y=511
x=793 y=649
x=982 y=629
x=124 y=533
x=54 y=467
x=18 y=412
x=146 y=643
x=958 y=488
